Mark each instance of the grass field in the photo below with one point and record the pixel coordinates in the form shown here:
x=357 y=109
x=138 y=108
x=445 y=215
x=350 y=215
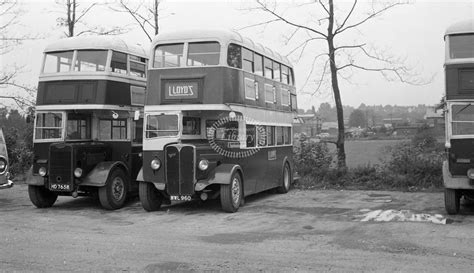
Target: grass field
x=365 y=152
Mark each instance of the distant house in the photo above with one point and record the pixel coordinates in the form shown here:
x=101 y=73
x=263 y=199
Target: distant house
x=309 y=124
x=330 y=127
x=435 y=119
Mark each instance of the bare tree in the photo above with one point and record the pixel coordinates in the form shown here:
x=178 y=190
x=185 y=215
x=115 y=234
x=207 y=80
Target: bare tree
x=10 y=12
x=75 y=16
x=144 y=13
x=340 y=60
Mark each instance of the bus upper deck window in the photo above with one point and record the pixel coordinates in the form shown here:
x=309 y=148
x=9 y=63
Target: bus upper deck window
x=460 y=46
x=137 y=66
x=90 y=60
x=268 y=68
x=258 y=64
x=58 y=62
x=234 y=56
x=168 y=55
x=202 y=54
x=119 y=62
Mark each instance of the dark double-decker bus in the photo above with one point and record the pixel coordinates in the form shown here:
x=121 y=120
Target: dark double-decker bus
x=218 y=120
x=458 y=168
x=89 y=121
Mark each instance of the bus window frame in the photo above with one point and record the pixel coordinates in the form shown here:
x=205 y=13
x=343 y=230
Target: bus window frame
x=127 y=128
x=63 y=127
x=186 y=53
x=179 y=135
x=449 y=126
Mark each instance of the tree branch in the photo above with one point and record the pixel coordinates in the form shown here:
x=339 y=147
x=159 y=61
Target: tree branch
x=265 y=8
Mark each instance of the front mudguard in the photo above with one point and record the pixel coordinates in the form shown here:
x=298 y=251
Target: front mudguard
x=459 y=182
x=34 y=179
x=158 y=185
x=222 y=174
x=99 y=175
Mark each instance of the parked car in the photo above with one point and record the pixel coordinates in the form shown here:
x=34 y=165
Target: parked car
x=5 y=182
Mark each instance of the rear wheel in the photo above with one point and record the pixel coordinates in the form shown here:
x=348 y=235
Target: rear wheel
x=231 y=194
x=150 y=197
x=113 y=195
x=41 y=197
x=452 y=199
x=286 y=180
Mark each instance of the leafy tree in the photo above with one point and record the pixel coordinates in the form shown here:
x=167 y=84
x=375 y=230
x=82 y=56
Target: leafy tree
x=358 y=119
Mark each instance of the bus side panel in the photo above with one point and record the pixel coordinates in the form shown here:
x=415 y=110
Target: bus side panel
x=276 y=156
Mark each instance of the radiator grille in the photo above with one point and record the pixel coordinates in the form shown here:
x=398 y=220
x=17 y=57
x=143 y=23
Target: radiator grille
x=180 y=168
x=60 y=165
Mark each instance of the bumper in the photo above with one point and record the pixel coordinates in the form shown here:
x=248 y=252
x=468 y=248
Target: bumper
x=6 y=185
x=456 y=182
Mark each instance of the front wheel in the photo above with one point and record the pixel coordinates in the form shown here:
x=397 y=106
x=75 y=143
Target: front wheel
x=150 y=197
x=41 y=197
x=113 y=195
x=452 y=199
x=286 y=180
x=231 y=194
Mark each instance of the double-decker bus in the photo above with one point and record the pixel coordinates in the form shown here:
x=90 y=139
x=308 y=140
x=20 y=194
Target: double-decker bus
x=458 y=168
x=89 y=121
x=218 y=120
x=5 y=182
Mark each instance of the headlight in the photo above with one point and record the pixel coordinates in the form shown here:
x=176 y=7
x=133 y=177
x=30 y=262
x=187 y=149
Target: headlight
x=470 y=173
x=155 y=164
x=42 y=171
x=78 y=172
x=3 y=165
x=203 y=164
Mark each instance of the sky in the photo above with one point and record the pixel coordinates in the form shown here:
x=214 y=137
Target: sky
x=411 y=32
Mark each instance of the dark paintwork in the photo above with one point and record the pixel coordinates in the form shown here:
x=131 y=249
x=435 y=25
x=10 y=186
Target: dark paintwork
x=464 y=149
x=217 y=85
x=83 y=92
x=259 y=173
x=454 y=89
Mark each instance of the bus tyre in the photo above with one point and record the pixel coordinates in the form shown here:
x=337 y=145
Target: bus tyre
x=231 y=194
x=286 y=179
x=150 y=197
x=452 y=199
x=41 y=197
x=113 y=195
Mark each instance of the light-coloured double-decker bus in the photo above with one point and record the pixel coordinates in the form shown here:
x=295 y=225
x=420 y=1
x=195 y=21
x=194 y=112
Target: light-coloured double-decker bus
x=89 y=121
x=218 y=120
x=458 y=168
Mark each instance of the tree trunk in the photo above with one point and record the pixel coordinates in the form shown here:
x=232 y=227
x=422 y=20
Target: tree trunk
x=341 y=153
x=155 y=15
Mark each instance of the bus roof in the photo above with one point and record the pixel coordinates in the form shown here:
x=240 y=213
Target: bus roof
x=224 y=36
x=461 y=27
x=96 y=42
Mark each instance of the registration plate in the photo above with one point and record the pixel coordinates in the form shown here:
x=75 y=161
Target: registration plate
x=60 y=187
x=180 y=197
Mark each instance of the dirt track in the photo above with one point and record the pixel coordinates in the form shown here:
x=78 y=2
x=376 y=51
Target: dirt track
x=299 y=231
